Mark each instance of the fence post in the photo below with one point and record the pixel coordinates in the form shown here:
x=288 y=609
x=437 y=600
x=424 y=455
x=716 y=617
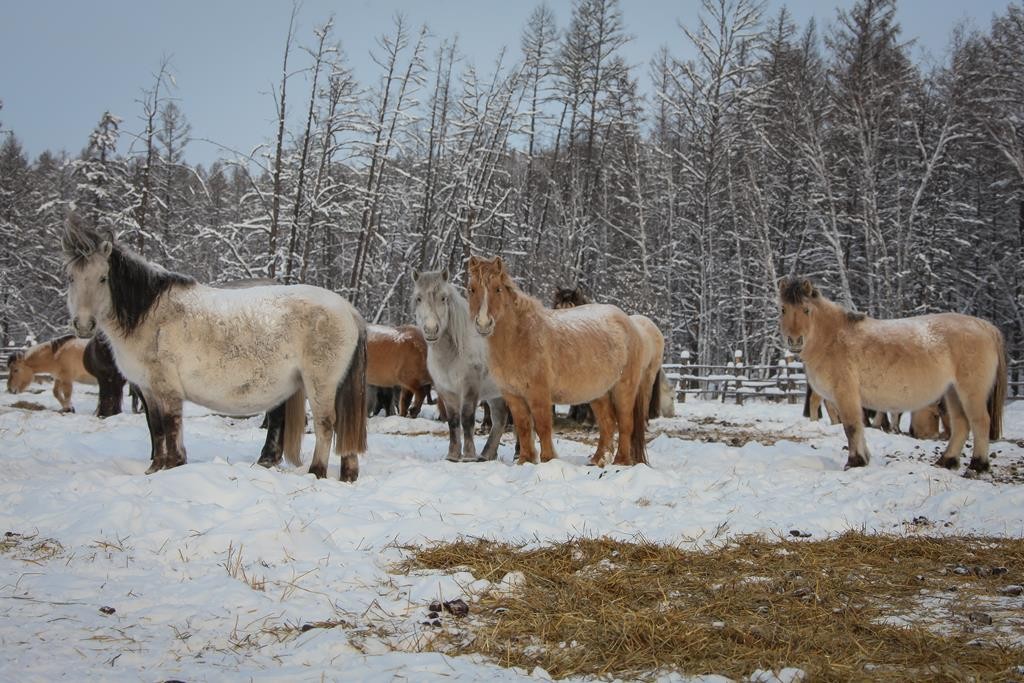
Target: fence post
x=738 y=368
x=684 y=383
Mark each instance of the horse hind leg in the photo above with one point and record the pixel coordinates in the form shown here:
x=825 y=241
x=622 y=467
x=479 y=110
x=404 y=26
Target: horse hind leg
x=958 y=429
x=623 y=400
x=604 y=413
x=975 y=404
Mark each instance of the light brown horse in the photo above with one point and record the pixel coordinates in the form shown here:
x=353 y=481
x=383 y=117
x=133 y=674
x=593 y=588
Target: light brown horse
x=540 y=356
x=61 y=357
x=898 y=365
x=397 y=357
x=931 y=422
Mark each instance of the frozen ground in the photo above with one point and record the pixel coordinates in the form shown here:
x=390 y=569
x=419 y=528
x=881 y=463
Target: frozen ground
x=222 y=570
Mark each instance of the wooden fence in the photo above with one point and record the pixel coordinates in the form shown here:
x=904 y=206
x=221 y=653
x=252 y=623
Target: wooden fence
x=736 y=381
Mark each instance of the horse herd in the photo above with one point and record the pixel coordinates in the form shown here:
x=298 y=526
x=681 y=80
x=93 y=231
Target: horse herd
x=254 y=346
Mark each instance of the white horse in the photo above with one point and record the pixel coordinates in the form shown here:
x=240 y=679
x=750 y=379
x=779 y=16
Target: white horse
x=237 y=351
x=457 y=361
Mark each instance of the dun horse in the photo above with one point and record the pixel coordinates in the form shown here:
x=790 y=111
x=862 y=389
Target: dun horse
x=899 y=365
x=237 y=351
x=458 y=364
x=570 y=298
x=397 y=356
x=541 y=356
x=61 y=358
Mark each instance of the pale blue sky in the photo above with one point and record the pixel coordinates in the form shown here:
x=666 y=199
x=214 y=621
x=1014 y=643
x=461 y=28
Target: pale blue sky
x=63 y=63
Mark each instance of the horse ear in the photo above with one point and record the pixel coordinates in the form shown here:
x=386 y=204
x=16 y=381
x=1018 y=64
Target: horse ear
x=808 y=289
x=578 y=291
x=106 y=247
x=415 y=275
x=445 y=275
x=473 y=262
x=782 y=285
x=499 y=263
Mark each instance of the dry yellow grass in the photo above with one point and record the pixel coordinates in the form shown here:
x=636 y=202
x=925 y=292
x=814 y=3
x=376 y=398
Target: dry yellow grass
x=857 y=607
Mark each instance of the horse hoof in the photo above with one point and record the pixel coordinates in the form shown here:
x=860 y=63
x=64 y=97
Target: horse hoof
x=318 y=471
x=153 y=469
x=855 y=462
x=454 y=458
x=950 y=464
x=266 y=462
x=978 y=466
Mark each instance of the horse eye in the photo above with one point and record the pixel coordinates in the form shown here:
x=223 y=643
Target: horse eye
x=103 y=279
x=419 y=299
x=497 y=290
x=807 y=311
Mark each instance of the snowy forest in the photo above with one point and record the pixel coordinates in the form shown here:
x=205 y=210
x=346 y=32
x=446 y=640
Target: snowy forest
x=780 y=149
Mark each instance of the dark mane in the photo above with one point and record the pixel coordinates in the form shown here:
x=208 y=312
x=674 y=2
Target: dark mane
x=794 y=291
x=854 y=316
x=14 y=358
x=59 y=342
x=569 y=298
x=136 y=286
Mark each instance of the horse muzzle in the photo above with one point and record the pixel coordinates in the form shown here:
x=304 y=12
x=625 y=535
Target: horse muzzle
x=82 y=329
x=795 y=345
x=484 y=330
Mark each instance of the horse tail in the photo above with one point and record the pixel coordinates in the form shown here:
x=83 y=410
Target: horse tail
x=997 y=398
x=294 y=426
x=638 y=441
x=350 y=402
x=654 y=409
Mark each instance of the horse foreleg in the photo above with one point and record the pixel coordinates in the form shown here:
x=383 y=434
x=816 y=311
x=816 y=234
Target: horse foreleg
x=467 y=416
x=273 y=447
x=833 y=412
x=958 y=430
x=404 y=399
x=524 y=428
x=452 y=417
x=155 y=424
x=540 y=409
x=604 y=414
x=417 y=401
x=852 y=415
x=62 y=392
x=499 y=417
x=173 y=437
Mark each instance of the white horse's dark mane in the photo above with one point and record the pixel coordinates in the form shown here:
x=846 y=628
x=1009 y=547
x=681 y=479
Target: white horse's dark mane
x=135 y=284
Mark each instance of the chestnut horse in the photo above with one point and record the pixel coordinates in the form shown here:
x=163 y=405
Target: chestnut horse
x=898 y=365
x=540 y=356
x=61 y=358
x=397 y=357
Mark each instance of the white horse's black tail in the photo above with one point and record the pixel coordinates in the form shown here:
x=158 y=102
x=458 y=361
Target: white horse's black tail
x=350 y=403
x=997 y=398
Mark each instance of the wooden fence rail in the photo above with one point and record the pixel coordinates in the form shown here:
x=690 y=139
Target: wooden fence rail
x=783 y=381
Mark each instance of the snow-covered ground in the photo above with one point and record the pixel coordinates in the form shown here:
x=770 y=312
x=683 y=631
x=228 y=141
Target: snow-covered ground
x=213 y=568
